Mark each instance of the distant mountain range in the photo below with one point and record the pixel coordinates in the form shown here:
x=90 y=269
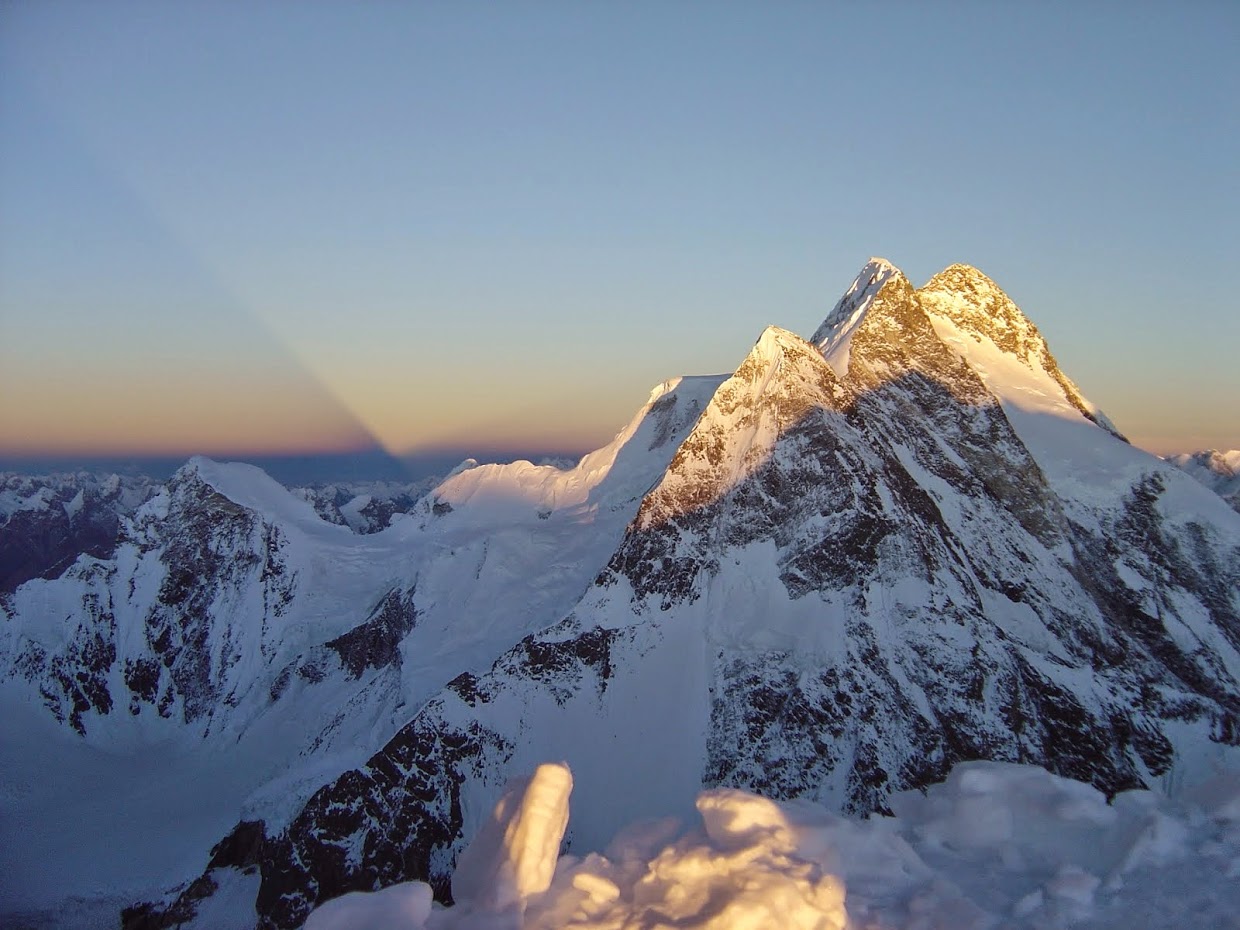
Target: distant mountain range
x=1219 y=471
x=359 y=467
x=862 y=557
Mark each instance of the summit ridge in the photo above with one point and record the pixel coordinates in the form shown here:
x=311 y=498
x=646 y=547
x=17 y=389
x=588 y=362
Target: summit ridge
x=970 y=313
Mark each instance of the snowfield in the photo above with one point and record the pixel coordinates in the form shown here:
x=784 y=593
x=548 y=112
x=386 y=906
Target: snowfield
x=996 y=845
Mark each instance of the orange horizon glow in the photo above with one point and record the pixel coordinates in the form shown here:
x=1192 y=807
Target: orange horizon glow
x=225 y=438
x=70 y=450
x=485 y=446
x=117 y=419
x=220 y=436
x=82 y=412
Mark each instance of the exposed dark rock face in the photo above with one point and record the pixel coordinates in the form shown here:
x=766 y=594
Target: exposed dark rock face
x=241 y=850
x=364 y=507
x=398 y=815
x=211 y=552
x=179 y=912
x=373 y=644
x=74 y=680
x=376 y=643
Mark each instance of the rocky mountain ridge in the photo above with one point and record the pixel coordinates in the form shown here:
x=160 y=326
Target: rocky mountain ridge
x=856 y=561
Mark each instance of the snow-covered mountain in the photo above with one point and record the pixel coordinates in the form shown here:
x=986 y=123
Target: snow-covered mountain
x=231 y=651
x=860 y=559
x=46 y=522
x=1219 y=471
x=364 y=506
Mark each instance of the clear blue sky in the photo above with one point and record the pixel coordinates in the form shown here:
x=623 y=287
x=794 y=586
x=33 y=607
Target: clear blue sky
x=227 y=226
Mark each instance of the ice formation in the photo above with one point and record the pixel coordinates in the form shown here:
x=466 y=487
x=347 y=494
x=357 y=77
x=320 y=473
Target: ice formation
x=996 y=845
x=515 y=852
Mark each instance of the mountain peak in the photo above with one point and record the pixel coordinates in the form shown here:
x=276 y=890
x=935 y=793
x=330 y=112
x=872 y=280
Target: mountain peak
x=962 y=271
x=781 y=381
x=979 y=310
x=959 y=307
x=834 y=334
x=877 y=264
x=977 y=305
x=251 y=488
x=773 y=339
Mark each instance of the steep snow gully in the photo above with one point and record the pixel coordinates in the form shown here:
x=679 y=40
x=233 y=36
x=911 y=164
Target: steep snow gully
x=902 y=571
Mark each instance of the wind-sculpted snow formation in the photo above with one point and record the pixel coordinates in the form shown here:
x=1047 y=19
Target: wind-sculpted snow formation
x=833 y=575
x=995 y=845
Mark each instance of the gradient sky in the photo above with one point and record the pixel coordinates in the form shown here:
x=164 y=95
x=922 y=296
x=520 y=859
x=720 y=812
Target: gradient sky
x=238 y=228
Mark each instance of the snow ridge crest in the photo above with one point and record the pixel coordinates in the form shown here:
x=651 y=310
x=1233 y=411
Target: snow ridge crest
x=835 y=333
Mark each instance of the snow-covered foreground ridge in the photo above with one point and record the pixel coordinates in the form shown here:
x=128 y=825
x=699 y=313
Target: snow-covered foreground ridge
x=996 y=845
x=832 y=575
